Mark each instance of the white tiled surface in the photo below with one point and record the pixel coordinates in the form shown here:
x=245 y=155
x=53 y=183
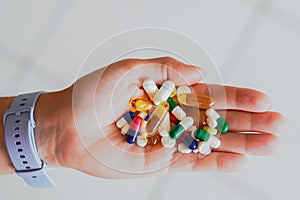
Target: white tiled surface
x=255 y=43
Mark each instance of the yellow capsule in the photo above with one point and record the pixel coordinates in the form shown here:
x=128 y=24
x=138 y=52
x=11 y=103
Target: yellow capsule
x=173 y=94
x=196 y=100
x=138 y=104
x=156 y=118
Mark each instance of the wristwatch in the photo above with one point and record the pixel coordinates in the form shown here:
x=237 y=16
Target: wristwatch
x=19 y=127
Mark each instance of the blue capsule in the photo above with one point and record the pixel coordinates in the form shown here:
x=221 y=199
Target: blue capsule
x=189 y=141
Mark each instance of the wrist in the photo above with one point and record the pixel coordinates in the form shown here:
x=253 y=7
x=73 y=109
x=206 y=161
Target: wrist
x=54 y=121
x=6 y=164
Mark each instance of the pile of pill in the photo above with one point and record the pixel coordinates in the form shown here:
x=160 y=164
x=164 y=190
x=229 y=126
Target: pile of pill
x=162 y=119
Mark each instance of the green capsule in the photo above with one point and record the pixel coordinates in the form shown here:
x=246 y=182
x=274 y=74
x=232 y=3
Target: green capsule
x=222 y=125
x=202 y=135
x=180 y=128
x=177 y=131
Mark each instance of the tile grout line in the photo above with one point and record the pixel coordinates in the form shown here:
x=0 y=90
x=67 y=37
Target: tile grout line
x=285 y=18
x=243 y=41
x=38 y=45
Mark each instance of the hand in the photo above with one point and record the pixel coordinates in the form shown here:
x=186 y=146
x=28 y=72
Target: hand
x=79 y=131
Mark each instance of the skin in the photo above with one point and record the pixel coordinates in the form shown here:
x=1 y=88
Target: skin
x=76 y=126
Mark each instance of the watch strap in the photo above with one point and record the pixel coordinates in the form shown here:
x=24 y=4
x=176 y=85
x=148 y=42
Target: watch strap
x=19 y=127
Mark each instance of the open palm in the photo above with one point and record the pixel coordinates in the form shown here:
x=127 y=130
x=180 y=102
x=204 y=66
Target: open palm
x=100 y=98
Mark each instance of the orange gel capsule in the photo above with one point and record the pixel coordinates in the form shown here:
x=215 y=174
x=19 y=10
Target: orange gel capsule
x=138 y=104
x=196 y=100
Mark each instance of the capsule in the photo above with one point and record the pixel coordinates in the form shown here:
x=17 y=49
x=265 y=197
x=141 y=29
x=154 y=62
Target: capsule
x=175 y=109
x=173 y=119
x=126 y=119
x=211 y=122
x=211 y=131
x=138 y=104
x=195 y=100
x=133 y=131
x=222 y=125
x=150 y=88
x=168 y=142
x=202 y=135
x=183 y=149
x=189 y=141
x=165 y=126
x=183 y=89
x=180 y=128
x=144 y=124
x=156 y=118
x=125 y=129
x=164 y=92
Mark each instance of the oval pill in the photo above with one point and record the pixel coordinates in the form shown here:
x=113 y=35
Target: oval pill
x=183 y=89
x=195 y=100
x=156 y=118
x=164 y=92
x=138 y=104
x=165 y=126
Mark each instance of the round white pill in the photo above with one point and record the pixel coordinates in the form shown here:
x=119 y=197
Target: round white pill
x=168 y=142
x=203 y=147
x=141 y=141
x=214 y=142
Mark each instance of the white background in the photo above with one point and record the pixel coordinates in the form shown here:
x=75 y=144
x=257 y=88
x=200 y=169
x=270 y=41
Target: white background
x=255 y=43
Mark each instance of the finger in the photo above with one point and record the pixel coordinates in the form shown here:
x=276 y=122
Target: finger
x=157 y=69
x=250 y=144
x=216 y=161
x=229 y=97
x=269 y=122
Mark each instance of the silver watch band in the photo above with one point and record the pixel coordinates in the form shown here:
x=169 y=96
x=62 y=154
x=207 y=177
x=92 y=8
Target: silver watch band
x=19 y=127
